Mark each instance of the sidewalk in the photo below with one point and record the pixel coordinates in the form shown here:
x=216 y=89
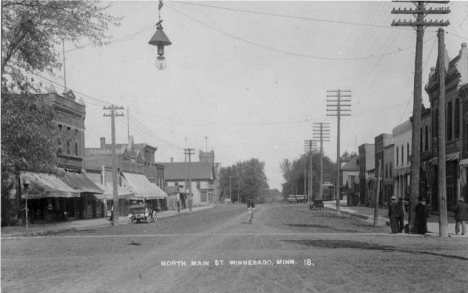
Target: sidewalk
x=76 y=225
x=368 y=214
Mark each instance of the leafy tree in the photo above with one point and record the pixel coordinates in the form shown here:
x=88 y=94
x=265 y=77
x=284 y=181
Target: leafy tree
x=31 y=29
x=248 y=180
x=294 y=175
x=27 y=128
x=348 y=155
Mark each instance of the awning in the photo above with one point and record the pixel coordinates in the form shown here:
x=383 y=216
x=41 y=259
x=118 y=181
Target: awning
x=448 y=158
x=43 y=185
x=142 y=187
x=122 y=192
x=463 y=162
x=79 y=182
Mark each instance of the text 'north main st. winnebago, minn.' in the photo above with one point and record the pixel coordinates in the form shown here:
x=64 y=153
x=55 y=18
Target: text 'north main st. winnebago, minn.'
x=249 y=262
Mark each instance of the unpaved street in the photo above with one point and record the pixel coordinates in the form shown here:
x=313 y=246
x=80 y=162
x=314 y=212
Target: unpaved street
x=195 y=253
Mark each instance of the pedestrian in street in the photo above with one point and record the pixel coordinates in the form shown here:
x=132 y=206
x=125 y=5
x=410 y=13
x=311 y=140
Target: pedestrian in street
x=392 y=214
x=400 y=215
x=421 y=216
x=461 y=215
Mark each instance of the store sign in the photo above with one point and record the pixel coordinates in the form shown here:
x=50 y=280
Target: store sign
x=98 y=152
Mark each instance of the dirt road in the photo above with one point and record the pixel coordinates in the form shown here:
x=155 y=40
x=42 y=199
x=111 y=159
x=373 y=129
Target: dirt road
x=287 y=249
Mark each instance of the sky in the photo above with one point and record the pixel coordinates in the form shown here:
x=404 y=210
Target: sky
x=248 y=79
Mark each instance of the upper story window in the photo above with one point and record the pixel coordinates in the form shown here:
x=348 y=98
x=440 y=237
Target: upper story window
x=426 y=138
x=408 y=153
x=449 y=121
x=402 y=154
x=457 y=119
x=397 y=156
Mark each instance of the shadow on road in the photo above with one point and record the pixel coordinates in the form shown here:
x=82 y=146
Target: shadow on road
x=320 y=226
x=339 y=244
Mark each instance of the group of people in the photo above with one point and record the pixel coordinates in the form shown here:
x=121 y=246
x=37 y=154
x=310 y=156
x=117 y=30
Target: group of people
x=396 y=215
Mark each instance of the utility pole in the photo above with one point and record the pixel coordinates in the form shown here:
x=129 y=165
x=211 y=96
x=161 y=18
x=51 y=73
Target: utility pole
x=376 y=200
x=441 y=172
x=230 y=188
x=309 y=146
x=321 y=131
x=419 y=25
x=305 y=173
x=336 y=107
x=189 y=153
x=218 y=182
x=115 y=198
x=238 y=187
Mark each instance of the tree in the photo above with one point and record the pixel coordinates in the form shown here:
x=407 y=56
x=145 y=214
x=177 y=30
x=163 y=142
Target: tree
x=27 y=128
x=31 y=29
x=347 y=155
x=248 y=180
x=293 y=173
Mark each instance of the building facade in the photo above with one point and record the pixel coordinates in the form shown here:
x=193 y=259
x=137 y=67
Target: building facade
x=402 y=136
x=456 y=77
x=366 y=163
x=382 y=163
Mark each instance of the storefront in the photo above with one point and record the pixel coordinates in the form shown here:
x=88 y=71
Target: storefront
x=49 y=198
x=90 y=204
x=144 y=189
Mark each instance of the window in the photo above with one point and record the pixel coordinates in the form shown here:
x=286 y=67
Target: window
x=449 y=121
x=457 y=119
x=421 y=139
x=198 y=184
x=396 y=156
x=391 y=165
x=408 y=152
x=76 y=149
x=68 y=146
x=426 y=138
x=402 y=154
x=386 y=170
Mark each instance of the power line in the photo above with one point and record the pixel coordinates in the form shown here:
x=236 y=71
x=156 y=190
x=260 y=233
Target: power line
x=285 y=52
x=283 y=15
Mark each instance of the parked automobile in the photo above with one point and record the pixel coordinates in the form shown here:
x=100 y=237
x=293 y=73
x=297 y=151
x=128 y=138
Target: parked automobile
x=140 y=212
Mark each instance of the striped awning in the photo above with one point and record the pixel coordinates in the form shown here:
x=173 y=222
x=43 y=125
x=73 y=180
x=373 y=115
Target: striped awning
x=43 y=185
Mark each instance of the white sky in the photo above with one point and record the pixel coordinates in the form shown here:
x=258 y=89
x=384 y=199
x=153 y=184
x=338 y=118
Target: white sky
x=253 y=83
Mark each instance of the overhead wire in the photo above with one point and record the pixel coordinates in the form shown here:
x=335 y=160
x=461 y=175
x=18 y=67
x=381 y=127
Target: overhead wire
x=282 y=51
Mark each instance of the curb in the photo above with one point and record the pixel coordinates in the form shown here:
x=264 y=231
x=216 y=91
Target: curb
x=61 y=230
x=387 y=222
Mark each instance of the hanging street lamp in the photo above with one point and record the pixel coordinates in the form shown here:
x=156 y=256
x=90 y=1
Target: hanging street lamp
x=160 y=40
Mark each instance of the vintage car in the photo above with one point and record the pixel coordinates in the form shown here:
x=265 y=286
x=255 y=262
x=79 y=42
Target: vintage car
x=140 y=212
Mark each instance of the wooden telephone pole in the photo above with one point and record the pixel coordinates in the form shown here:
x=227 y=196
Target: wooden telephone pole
x=441 y=172
x=337 y=107
x=420 y=12
x=321 y=132
x=115 y=197
x=309 y=146
x=189 y=152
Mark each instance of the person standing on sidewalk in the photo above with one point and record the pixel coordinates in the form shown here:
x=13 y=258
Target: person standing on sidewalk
x=392 y=214
x=421 y=216
x=400 y=215
x=461 y=215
